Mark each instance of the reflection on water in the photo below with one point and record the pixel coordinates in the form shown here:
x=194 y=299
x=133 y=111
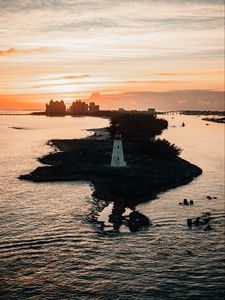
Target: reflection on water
x=49 y=250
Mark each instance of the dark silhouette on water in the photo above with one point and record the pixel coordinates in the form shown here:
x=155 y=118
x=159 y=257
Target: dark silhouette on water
x=200 y=222
x=117 y=215
x=185 y=202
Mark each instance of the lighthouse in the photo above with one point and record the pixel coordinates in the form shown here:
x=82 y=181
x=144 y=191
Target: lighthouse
x=117 y=153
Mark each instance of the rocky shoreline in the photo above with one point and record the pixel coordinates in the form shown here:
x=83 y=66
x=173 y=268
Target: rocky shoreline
x=89 y=160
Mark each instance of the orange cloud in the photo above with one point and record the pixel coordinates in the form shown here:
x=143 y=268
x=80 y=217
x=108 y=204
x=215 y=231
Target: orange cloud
x=15 y=51
x=106 y=82
x=169 y=74
x=152 y=81
x=75 y=76
x=57 y=84
x=209 y=73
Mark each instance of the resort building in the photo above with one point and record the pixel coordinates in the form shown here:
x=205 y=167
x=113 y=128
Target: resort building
x=93 y=108
x=78 y=108
x=55 y=108
x=122 y=110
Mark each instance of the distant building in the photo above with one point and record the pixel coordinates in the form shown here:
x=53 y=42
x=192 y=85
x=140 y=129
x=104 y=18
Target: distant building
x=93 y=108
x=151 y=111
x=79 y=108
x=55 y=107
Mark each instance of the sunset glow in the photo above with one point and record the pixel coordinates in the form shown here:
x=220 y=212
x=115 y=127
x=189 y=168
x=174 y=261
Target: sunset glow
x=132 y=53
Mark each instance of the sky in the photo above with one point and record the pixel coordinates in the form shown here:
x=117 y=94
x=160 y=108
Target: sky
x=133 y=54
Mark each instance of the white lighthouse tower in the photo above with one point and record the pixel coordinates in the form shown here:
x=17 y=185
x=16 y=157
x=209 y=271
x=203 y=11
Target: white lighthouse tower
x=117 y=153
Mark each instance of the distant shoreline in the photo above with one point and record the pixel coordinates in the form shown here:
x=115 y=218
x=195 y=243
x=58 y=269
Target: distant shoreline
x=216 y=115
x=220 y=120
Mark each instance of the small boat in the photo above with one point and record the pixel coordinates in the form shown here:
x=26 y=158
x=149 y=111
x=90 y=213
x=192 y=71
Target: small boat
x=183 y=124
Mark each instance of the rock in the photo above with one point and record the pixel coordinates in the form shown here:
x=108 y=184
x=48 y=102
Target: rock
x=189 y=223
x=208 y=227
x=202 y=221
x=185 y=202
x=197 y=221
x=189 y=252
x=206 y=220
x=137 y=220
x=116 y=219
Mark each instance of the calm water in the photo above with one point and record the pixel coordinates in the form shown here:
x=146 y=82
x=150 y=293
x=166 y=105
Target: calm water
x=48 y=249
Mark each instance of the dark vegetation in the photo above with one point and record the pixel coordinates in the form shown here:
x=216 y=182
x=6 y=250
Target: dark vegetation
x=137 y=126
x=139 y=131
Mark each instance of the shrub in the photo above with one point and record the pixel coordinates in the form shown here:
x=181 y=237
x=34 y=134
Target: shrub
x=160 y=148
x=139 y=130
x=137 y=126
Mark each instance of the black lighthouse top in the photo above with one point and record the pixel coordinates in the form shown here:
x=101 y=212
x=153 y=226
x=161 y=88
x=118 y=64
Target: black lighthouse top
x=117 y=135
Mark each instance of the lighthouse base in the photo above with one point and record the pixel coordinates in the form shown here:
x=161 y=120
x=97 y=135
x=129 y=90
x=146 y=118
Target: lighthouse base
x=118 y=164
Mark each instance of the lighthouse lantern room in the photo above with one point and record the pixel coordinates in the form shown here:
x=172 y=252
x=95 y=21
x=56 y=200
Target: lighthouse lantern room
x=117 y=153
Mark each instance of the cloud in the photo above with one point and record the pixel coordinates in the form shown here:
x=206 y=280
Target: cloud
x=132 y=29
x=75 y=76
x=140 y=82
x=138 y=39
x=15 y=51
x=151 y=81
x=15 y=5
x=70 y=15
x=172 y=100
x=54 y=81
x=39 y=86
x=170 y=74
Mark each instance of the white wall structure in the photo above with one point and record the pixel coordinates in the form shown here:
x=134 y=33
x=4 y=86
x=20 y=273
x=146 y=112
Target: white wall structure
x=117 y=153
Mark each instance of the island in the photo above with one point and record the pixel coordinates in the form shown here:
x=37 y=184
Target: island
x=215 y=119
x=153 y=164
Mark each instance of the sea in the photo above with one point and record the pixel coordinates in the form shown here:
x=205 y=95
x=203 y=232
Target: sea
x=50 y=250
